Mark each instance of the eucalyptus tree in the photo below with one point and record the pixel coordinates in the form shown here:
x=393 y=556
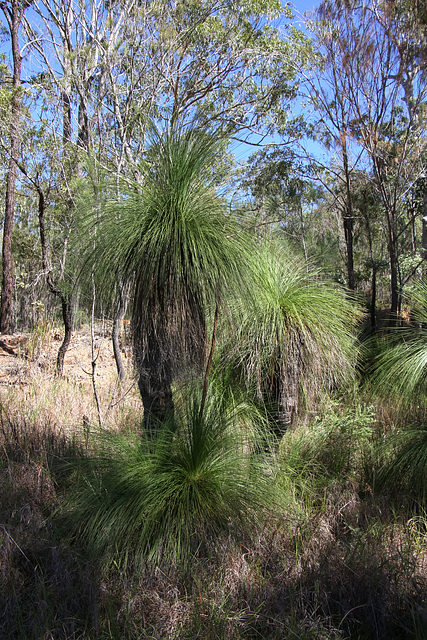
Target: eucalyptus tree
x=382 y=94
x=326 y=88
x=296 y=336
x=112 y=65
x=170 y=236
x=13 y=11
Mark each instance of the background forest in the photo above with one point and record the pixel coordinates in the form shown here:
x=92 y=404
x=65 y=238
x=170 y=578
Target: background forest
x=234 y=197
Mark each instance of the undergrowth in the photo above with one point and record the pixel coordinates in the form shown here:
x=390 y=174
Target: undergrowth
x=340 y=556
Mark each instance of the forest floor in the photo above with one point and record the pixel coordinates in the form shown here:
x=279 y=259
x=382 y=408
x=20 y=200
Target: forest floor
x=28 y=376
x=22 y=354
x=342 y=563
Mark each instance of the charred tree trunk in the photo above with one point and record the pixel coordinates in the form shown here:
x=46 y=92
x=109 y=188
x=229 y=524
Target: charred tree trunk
x=157 y=400
x=66 y=305
x=348 y=233
x=156 y=374
x=67 y=318
x=424 y=236
x=373 y=303
x=348 y=216
x=394 y=279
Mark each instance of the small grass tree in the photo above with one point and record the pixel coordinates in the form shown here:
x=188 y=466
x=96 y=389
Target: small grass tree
x=400 y=373
x=296 y=333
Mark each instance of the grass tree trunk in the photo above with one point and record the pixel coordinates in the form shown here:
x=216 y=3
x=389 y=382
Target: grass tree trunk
x=67 y=318
x=286 y=388
x=156 y=396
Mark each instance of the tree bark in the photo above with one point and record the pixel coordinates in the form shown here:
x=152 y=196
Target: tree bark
x=67 y=315
x=373 y=303
x=348 y=233
x=120 y=314
x=67 y=318
x=157 y=400
x=286 y=379
x=13 y=15
x=394 y=268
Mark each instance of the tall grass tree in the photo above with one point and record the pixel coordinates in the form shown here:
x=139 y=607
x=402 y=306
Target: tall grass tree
x=171 y=236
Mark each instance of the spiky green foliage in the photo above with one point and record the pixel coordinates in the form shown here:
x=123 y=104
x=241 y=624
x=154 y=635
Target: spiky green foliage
x=401 y=369
x=168 y=496
x=399 y=372
x=297 y=333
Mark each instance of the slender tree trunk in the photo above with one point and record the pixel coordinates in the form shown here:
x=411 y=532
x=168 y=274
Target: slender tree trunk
x=392 y=247
x=67 y=318
x=13 y=16
x=348 y=218
x=348 y=233
x=373 y=303
x=424 y=234
x=394 y=279
x=94 y=356
x=67 y=315
x=66 y=120
x=120 y=314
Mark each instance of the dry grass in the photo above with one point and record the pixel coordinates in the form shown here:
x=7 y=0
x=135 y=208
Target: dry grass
x=345 y=564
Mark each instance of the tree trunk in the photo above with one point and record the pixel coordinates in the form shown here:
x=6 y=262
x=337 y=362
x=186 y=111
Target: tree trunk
x=67 y=318
x=424 y=235
x=156 y=374
x=67 y=315
x=13 y=16
x=348 y=215
x=348 y=233
x=373 y=303
x=115 y=334
x=286 y=387
x=157 y=400
x=394 y=280
x=209 y=363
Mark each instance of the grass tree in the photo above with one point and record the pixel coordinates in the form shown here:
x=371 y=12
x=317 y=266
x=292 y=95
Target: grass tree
x=168 y=497
x=171 y=237
x=400 y=373
x=401 y=369
x=296 y=334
